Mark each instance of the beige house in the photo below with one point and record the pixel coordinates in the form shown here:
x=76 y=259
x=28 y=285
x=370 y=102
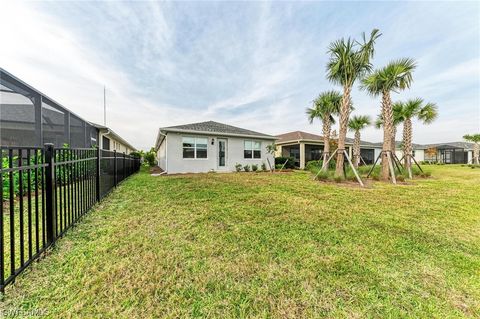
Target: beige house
x=111 y=141
x=305 y=147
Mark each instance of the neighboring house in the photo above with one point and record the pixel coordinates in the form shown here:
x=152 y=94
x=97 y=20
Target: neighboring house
x=418 y=151
x=111 y=141
x=210 y=146
x=449 y=153
x=305 y=147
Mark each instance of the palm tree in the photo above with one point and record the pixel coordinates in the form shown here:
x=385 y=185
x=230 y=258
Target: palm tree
x=349 y=61
x=356 y=124
x=395 y=76
x=414 y=108
x=475 y=138
x=397 y=120
x=325 y=106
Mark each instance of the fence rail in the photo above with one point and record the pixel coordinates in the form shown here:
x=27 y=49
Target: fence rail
x=44 y=191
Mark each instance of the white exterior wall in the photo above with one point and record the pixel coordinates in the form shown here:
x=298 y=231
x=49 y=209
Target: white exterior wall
x=377 y=152
x=162 y=156
x=419 y=155
x=115 y=145
x=175 y=163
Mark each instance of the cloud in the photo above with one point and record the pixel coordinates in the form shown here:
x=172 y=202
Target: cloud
x=255 y=65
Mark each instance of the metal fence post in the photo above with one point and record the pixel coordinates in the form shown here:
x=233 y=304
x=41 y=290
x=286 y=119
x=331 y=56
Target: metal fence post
x=115 y=168
x=124 y=175
x=50 y=218
x=97 y=177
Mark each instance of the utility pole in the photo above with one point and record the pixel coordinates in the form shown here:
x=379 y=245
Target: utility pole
x=104 y=107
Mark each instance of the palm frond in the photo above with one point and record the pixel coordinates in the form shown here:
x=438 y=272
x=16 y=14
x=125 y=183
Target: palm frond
x=350 y=59
x=428 y=113
x=359 y=122
x=327 y=104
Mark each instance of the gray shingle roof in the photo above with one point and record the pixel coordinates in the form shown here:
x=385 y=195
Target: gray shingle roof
x=464 y=145
x=215 y=127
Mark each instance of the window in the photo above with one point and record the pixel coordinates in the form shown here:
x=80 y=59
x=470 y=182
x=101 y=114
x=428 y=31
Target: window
x=252 y=149
x=106 y=143
x=194 y=147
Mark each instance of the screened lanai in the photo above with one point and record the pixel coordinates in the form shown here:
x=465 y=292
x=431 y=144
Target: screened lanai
x=30 y=118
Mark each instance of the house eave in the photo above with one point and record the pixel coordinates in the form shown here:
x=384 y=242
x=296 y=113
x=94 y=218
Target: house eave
x=263 y=137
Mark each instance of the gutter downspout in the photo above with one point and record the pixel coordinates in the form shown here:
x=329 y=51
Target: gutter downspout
x=100 y=137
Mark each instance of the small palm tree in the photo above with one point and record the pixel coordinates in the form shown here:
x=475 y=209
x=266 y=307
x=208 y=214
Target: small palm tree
x=395 y=76
x=356 y=124
x=397 y=120
x=349 y=61
x=325 y=107
x=475 y=138
x=414 y=108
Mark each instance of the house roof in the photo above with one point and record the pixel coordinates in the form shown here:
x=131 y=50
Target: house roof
x=114 y=135
x=210 y=127
x=297 y=136
x=398 y=145
x=464 y=145
x=215 y=127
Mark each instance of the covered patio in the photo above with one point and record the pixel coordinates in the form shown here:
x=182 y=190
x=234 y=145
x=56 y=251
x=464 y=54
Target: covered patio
x=303 y=147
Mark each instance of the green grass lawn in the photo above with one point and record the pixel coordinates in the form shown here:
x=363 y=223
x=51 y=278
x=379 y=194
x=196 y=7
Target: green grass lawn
x=267 y=245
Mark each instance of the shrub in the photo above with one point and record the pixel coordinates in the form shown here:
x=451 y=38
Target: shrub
x=313 y=165
x=149 y=157
x=238 y=167
x=264 y=167
x=246 y=168
x=281 y=160
x=400 y=178
x=318 y=164
x=254 y=167
x=323 y=176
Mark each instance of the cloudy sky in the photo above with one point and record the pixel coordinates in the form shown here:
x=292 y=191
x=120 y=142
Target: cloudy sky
x=257 y=65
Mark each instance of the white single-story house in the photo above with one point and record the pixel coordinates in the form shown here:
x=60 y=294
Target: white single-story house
x=111 y=141
x=211 y=146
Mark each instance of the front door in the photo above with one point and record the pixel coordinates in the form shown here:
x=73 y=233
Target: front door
x=222 y=153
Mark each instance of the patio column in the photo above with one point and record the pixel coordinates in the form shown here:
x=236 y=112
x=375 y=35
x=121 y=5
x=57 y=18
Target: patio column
x=302 y=155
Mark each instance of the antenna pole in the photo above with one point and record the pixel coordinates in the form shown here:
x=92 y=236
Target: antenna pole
x=104 y=107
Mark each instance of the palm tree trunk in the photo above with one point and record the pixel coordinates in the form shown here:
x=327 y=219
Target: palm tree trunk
x=476 y=153
x=356 y=149
x=387 y=115
x=326 y=138
x=407 y=143
x=394 y=137
x=343 y=126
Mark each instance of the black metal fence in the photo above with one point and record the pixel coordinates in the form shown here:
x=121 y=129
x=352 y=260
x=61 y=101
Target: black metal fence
x=44 y=192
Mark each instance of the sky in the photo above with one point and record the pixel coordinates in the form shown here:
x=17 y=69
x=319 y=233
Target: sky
x=257 y=65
